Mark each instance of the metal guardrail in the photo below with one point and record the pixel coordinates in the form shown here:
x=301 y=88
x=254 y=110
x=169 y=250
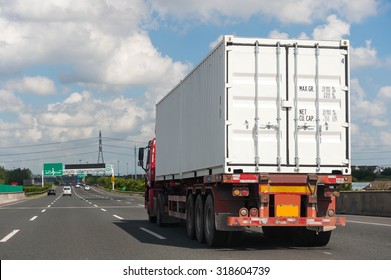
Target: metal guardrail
x=38 y=192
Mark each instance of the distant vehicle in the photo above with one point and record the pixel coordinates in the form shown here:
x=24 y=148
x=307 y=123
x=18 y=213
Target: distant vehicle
x=77 y=186
x=67 y=191
x=51 y=192
x=87 y=188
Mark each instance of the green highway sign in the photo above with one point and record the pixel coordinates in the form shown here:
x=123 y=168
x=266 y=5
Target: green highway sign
x=81 y=175
x=52 y=169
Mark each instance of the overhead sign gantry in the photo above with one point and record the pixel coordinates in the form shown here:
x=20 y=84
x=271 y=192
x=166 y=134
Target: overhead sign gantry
x=88 y=168
x=80 y=170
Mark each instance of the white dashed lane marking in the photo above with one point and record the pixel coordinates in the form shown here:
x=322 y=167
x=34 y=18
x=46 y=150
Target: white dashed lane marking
x=153 y=233
x=5 y=239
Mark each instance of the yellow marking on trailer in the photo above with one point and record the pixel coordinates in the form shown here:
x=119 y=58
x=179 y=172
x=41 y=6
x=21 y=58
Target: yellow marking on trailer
x=285 y=189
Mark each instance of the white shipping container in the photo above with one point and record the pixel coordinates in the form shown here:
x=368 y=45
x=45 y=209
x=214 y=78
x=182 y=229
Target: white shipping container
x=258 y=105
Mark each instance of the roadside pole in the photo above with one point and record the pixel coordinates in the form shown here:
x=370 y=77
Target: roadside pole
x=42 y=178
x=112 y=177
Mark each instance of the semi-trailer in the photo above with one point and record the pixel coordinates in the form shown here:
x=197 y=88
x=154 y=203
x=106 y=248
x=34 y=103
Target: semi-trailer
x=256 y=135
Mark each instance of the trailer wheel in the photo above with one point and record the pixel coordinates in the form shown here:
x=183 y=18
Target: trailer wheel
x=159 y=210
x=199 y=219
x=190 y=217
x=313 y=239
x=277 y=233
x=213 y=236
x=234 y=238
x=151 y=219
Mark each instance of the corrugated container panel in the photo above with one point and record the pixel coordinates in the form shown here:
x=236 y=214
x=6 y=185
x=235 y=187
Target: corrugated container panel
x=190 y=130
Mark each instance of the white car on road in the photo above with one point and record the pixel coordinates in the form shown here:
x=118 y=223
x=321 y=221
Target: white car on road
x=67 y=191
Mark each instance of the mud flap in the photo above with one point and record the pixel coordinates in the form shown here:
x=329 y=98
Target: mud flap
x=221 y=222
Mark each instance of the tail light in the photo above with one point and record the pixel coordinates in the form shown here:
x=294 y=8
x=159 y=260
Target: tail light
x=243 y=212
x=254 y=212
x=240 y=191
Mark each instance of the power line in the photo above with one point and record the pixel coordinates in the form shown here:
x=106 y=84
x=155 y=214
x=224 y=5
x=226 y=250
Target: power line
x=130 y=141
x=371 y=152
x=35 y=159
x=48 y=151
x=122 y=154
x=369 y=146
x=45 y=144
x=114 y=146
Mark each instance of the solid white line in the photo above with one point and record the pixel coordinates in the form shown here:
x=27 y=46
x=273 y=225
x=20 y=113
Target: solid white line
x=366 y=223
x=141 y=205
x=43 y=210
x=104 y=210
x=5 y=239
x=153 y=233
x=118 y=217
x=33 y=218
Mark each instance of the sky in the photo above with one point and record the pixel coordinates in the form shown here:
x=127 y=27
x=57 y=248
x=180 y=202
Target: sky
x=71 y=68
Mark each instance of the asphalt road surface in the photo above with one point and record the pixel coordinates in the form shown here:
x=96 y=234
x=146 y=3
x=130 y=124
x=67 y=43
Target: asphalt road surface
x=97 y=225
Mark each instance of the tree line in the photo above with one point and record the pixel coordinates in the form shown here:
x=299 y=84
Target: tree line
x=369 y=174
x=16 y=176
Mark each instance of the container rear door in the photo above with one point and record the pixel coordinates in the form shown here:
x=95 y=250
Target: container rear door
x=302 y=109
x=241 y=111
x=318 y=88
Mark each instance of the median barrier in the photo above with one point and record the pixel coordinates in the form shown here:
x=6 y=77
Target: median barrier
x=369 y=203
x=11 y=197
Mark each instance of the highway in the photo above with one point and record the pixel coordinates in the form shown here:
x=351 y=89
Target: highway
x=97 y=225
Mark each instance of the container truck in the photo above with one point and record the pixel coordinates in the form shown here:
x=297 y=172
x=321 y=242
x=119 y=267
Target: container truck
x=256 y=135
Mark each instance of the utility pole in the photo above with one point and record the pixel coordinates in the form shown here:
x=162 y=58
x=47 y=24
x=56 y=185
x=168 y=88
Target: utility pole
x=135 y=162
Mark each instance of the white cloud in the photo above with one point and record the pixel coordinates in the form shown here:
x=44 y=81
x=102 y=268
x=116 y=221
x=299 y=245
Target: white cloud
x=385 y=137
x=35 y=85
x=286 y=11
x=385 y=93
x=136 y=62
x=371 y=112
x=82 y=115
x=363 y=56
x=275 y=34
x=102 y=40
x=10 y=103
x=335 y=29
x=363 y=108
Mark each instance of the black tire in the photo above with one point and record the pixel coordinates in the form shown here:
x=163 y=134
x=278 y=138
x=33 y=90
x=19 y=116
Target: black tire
x=190 y=225
x=199 y=219
x=234 y=238
x=213 y=237
x=151 y=219
x=277 y=233
x=159 y=210
x=312 y=238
